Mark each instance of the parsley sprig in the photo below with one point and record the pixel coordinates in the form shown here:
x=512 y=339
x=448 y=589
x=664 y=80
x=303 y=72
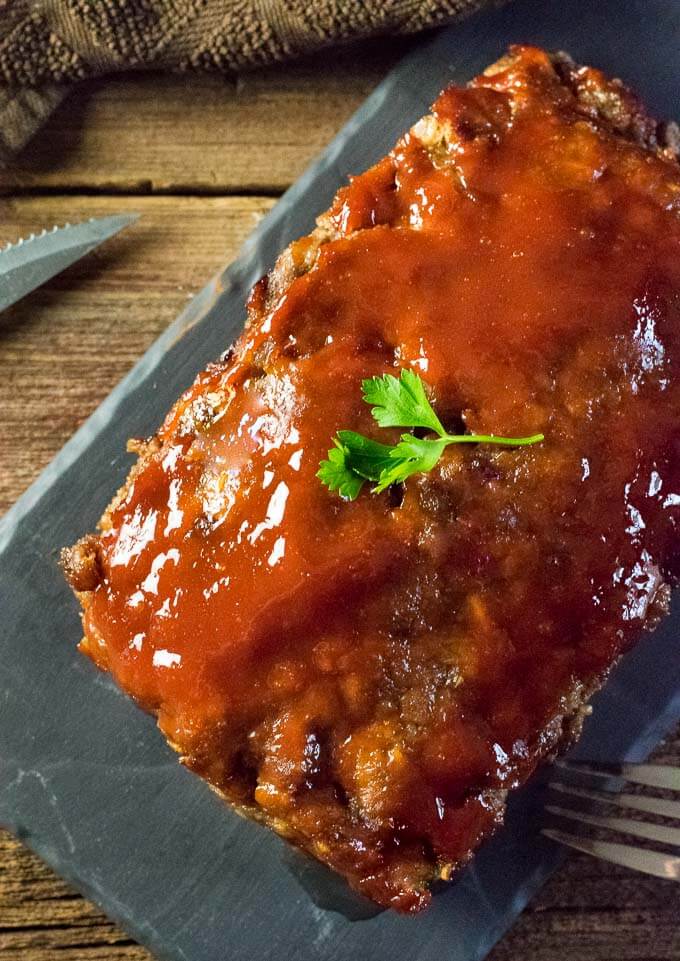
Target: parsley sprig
x=355 y=459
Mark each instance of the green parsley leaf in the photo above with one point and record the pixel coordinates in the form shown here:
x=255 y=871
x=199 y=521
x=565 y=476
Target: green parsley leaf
x=338 y=476
x=366 y=457
x=412 y=455
x=401 y=403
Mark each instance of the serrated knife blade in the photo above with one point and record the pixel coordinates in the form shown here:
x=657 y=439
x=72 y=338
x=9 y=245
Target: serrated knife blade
x=30 y=262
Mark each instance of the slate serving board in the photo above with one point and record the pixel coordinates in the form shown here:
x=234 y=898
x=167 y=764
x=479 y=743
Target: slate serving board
x=85 y=778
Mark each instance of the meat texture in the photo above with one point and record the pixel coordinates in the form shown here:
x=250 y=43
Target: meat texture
x=370 y=678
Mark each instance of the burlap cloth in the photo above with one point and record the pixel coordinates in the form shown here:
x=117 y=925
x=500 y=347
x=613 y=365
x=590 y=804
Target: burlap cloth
x=48 y=45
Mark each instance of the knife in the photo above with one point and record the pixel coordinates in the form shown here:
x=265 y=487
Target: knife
x=29 y=262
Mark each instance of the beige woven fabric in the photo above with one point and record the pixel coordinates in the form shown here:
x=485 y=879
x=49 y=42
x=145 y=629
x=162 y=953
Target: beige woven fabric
x=47 y=45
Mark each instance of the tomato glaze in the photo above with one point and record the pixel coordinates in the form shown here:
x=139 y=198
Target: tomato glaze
x=370 y=677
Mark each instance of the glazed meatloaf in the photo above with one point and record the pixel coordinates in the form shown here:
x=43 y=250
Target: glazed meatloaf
x=370 y=677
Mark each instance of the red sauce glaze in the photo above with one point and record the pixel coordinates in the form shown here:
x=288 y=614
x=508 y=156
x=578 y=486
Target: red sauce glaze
x=370 y=677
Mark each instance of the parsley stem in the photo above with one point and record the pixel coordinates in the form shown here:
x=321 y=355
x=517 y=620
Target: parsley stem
x=492 y=439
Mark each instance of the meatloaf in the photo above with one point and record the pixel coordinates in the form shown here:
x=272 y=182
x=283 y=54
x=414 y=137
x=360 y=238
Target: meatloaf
x=370 y=677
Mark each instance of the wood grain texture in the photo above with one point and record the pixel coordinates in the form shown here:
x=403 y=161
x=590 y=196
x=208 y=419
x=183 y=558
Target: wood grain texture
x=63 y=348
x=254 y=133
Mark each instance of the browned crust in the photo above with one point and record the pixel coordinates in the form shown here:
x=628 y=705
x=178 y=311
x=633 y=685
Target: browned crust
x=609 y=103
x=603 y=101
x=80 y=563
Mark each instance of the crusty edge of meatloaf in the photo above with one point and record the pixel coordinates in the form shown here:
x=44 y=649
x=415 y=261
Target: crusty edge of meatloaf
x=604 y=101
x=607 y=103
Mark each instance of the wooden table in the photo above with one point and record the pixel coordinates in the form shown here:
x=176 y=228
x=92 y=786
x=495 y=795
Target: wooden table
x=202 y=159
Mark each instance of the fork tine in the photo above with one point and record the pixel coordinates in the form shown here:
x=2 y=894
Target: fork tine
x=653 y=775
x=637 y=802
x=638 y=829
x=649 y=862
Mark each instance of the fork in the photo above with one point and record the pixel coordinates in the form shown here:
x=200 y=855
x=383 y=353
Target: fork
x=610 y=779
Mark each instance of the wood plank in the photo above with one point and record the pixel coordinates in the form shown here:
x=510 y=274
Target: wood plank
x=40 y=915
x=198 y=133
x=64 y=347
